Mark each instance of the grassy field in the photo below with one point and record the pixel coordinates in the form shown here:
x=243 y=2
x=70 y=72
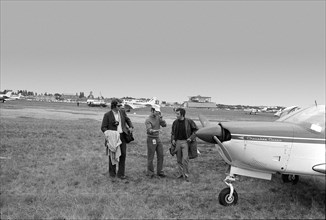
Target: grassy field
x=53 y=161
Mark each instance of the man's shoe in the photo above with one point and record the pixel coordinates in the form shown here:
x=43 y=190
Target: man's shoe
x=150 y=175
x=162 y=175
x=171 y=152
x=122 y=177
x=180 y=177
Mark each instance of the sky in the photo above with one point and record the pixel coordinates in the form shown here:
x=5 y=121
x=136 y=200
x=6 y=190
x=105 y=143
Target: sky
x=269 y=53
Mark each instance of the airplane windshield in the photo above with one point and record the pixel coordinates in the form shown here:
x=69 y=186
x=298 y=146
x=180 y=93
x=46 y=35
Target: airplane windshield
x=311 y=118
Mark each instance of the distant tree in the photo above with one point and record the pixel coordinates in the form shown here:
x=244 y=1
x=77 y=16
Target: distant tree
x=127 y=97
x=81 y=95
x=90 y=96
x=57 y=96
x=29 y=93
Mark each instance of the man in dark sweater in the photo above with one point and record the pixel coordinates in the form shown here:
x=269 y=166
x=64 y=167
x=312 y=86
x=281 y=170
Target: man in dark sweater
x=183 y=132
x=154 y=144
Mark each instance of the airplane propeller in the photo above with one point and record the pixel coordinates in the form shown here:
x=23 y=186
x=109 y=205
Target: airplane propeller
x=209 y=130
x=208 y=133
x=215 y=134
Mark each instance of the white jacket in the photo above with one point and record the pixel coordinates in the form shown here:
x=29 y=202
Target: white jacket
x=113 y=143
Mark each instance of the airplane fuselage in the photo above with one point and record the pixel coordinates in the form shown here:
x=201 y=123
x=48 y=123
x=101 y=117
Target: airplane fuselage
x=134 y=104
x=275 y=147
x=96 y=102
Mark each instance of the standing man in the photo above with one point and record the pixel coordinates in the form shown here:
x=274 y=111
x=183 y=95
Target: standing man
x=154 y=144
x=183 y=133
x=116 y=120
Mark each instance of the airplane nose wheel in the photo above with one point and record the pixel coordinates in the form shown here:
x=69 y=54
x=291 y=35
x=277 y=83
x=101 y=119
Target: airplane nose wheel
x=228 y=196
x=294 y=179
x=226 y=199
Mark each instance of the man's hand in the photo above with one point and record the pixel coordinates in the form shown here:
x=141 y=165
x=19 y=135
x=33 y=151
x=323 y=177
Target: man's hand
x=173 y=142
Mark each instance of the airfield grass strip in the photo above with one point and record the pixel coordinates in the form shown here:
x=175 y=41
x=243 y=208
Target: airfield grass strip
x=54 y=170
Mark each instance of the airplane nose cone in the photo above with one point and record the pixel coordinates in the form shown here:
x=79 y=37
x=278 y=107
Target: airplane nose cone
x=207 y=133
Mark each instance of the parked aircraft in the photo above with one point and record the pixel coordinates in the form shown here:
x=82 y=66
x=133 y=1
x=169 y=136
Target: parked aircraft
x=4 y=97
x=252 y=111
x=133 y=104
x=293 y=145
x=96 y=103
x=15 y=97
x=286 y=111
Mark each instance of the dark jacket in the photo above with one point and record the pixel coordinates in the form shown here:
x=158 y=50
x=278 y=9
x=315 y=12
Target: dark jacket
x=191 y=129
x=109 y=120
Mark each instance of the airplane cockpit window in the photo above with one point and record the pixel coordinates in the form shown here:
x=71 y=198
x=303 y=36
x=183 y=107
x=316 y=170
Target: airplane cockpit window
x=311 y=118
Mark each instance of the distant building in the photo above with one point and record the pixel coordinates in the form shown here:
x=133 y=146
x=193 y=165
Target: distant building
x=199 y=102
x=42 y=98
x=70 y=97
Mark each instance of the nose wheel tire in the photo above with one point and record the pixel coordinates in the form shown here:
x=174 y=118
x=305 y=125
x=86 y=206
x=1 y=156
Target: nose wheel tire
x=225 y=199
x=294 y=179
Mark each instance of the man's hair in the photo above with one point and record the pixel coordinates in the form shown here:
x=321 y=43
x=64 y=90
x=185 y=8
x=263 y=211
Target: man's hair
x=182 y=111
x=114 y=103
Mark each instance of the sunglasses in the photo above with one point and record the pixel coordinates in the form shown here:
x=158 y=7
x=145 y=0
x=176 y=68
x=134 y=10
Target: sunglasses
x=119 y=105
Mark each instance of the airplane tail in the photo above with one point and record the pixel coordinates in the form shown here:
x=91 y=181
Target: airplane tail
x=8 y=94
x=152 y=101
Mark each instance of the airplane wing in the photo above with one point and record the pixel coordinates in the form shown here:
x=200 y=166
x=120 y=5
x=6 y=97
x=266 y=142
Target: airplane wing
x=129 y=106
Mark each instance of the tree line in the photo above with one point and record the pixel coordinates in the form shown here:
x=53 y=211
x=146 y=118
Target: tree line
x=31 y=93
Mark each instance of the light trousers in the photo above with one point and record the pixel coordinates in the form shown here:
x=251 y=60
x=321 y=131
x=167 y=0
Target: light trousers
x=182 y=157
x=154 y=145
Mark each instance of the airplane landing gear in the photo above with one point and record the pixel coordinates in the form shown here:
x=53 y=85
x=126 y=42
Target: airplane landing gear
x=228 y=196
x=294 y=179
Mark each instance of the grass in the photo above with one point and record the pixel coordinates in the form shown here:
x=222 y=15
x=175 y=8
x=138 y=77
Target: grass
x=53 y=169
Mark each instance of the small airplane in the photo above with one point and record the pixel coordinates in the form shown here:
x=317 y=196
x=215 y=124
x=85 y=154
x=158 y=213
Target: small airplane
x=286 y=111
x=99 y=102
x=292 y=145
x=252 y=111
x=15 y=97
x=134 y=104
x=5 y=97
x=96 y=103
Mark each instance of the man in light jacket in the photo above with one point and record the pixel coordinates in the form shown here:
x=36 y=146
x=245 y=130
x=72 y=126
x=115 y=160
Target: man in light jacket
x=154 y=143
